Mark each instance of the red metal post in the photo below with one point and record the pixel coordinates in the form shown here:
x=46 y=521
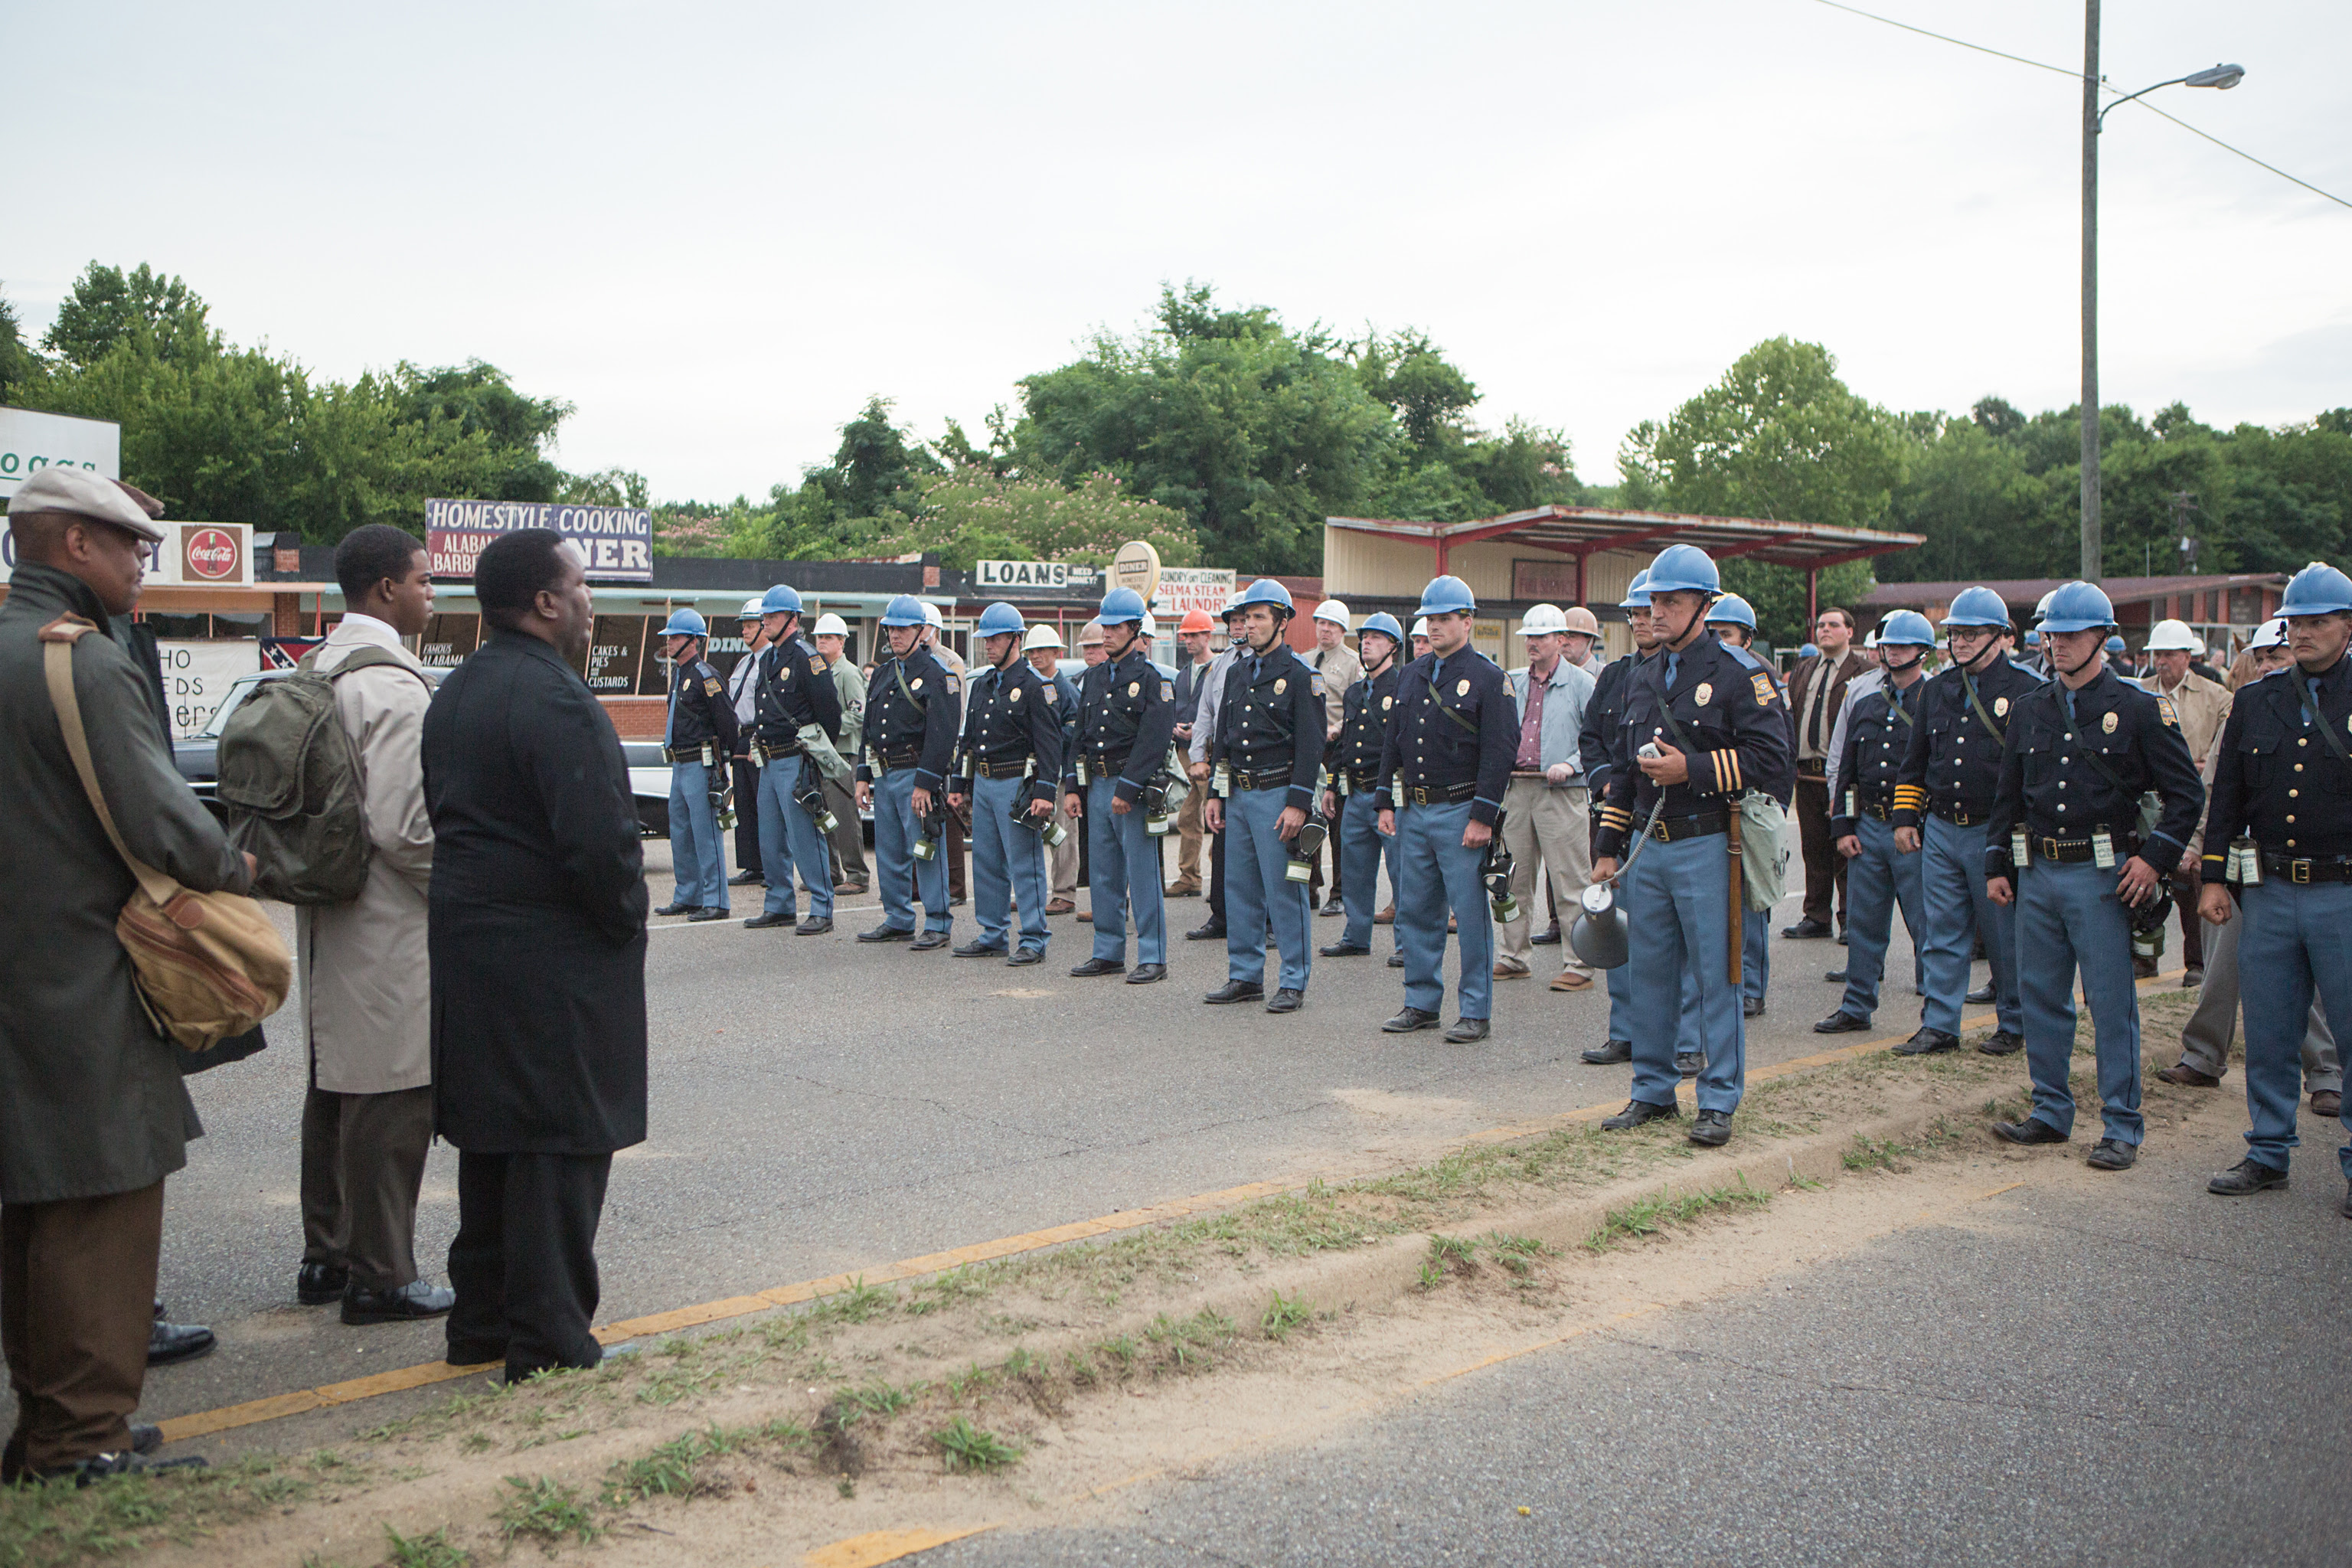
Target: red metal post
x=1813 y=600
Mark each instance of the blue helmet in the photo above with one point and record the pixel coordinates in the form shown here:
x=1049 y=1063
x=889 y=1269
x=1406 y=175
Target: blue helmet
x=2033 y=638
x=1733 y=609
x=2115 y=645
x=998 y=619
x=1446 y=597
x=1683 y=568
x=1976 y=607
x=1811 y=650
x=2078 y=607
x=1637 y=592
x=1385 y=624
x=1266 y=591
x=2318 y=589
x=1908 y=628
x=1121 y=605
x=781 y=600
x=687 y=621
x=904 y=610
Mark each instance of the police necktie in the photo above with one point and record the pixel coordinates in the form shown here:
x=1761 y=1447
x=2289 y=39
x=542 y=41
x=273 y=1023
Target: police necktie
x=1674 y=663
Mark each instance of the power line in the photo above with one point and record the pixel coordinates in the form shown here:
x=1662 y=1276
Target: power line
x=2062 y=70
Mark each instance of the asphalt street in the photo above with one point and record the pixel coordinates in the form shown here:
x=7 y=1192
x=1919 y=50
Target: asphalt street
x=820 y=1105
x=2091 y=1370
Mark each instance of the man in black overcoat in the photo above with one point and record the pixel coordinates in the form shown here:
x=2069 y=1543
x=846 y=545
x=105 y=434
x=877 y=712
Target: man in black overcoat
x=538 y=946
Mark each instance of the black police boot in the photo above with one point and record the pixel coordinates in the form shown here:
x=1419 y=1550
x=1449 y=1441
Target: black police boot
x=169 y=1343
x=1613 y=1054
x=747 y=879
x=1213 y=931
x=815 y=925
x=1145 y=973
x=1466 y=1030
x=320 y=1284
x=1411 y=1019
x=764 y=921
x=704 y=914
x=1835 y=977
x=1027 y=955
x=413 y=1302
x=1711 y=1128
x=1396 y=961
x=1806 y=930
x=1286 y=1001
x=1234 y=991
x=887 y=934
x=1929 y=1042
x=2110 y=1155
x=2031 y=1131
x=1638 y=1112
x=1840 y=1022
x=928 y=940
x=2001 y=1043
x=678 y=909
x=1690 y=1064
x=979 y=948
x=1094 y=966
x=1752 y=1006
x=1342 y=949
x=2246 y=1176
x=1981 y=996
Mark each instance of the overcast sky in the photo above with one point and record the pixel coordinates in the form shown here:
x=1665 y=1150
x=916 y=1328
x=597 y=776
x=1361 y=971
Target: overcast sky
x=717 y=227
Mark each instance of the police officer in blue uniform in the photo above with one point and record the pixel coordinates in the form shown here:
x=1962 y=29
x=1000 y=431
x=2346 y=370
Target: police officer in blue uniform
x=699 y=741
x=1879 y=872
x=1443 y=770
x=1704 y=724
x=1732 y=619
x=1127 y=717
x=1265 y=761
x=1012 y=767
x=2064 y=843
x=1943 y=801
x=2283 y=801
x=913 y=709
x=1353 y=801
x=794 y=691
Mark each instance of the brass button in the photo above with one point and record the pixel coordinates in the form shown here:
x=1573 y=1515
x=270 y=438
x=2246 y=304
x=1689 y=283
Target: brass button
x=2293 y=792
x=2290 y=816
x=2298 y=767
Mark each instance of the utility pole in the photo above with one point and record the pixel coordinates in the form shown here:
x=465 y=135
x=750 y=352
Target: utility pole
x=2091 y=291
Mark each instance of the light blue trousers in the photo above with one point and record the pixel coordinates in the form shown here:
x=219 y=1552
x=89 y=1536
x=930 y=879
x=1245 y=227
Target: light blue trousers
x=895 y=833
x=790 y=841
x=2068 y=918
x=1875 y=880
x=1361 y=851
x=1008 y=865
x=1953 y=897
x=1435 y=876
x=2296 y=939
x=698 y=856
x=1123 y=867
x=1680 y=932
x=1259 y=892
x=1755 y=951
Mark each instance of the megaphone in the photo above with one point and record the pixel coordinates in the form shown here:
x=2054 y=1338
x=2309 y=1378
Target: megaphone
x=1598 y=934
x=1304 y=849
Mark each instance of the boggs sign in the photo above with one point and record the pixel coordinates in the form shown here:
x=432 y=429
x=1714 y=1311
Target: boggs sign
x=193 y=555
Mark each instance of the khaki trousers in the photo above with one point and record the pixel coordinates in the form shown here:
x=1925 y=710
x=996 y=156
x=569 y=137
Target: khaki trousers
x=1062 y=861
x=848 y=833
x=76 y=1295
x=1189 y=834
x=1553 y=826
x=362 y=1164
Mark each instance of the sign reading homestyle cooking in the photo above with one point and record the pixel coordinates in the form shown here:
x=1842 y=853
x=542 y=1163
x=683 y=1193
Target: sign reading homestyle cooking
x=618 y=541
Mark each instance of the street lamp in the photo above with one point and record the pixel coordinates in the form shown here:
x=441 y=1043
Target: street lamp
x=2220 y=76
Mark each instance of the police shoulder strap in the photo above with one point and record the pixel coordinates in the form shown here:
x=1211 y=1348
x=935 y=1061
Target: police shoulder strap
x=2098 y=764
x=1437 y=699
x=898 y=674
x=1969 y=686
x=2310 y=700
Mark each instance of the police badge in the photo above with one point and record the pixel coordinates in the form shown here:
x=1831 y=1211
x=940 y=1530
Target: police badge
x=1704 y=694
x=1280 y=686
x=1461 y=687
x=2107 y=722
x=2000 y=707
x=1016 y=695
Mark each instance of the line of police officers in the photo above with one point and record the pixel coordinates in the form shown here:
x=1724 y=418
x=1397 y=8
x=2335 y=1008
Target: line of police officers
x=2038 y=816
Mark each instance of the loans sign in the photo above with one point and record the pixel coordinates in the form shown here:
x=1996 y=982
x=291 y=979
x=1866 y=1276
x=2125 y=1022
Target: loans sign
x=618 y=541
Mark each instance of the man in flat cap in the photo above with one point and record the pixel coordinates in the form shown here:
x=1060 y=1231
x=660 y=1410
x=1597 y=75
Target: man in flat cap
x=92 y=1113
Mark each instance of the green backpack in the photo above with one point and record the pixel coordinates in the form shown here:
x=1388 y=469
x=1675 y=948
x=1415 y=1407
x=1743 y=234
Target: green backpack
x=291 y=787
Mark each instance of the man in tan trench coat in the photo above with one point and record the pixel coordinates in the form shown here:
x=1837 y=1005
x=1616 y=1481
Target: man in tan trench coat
x=366 y=989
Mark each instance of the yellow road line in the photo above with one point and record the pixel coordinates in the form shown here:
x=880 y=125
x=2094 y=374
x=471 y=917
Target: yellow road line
x=885 y=1546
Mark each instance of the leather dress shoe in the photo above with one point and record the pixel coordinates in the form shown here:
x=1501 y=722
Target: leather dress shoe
x=1547 y=937
x=1094 y=966
x=1842 y=941
x=2326 y=1103
x=319 y=1284
x=1981 y=996
x=1711 y=1128
x=747 y=879
x=1396 y=961
x=2192 y=977
x=1510 y=969
x=1332 y=906
x=678 y=909
x=1752 y=1006
x=1060 y=906
x=1690 y=1064
x=1638 y=1112
x=1386 y=917
x=848 y=888
x=1343 y=950
x=1928 y=1043
x=1285 y=1000
x=2033 y=1130
x=815 y=925
x=101 y=1467
x=412 y=1300
x=976 y=948
x=1145 y=973
x=170 y=1344
x=2143 y=968
x=1026 y=955
x=2246 y=1176
x=706 y=913
x=1180 y=889
x=1234 y=991
x=1213 y=931
x=928 y=940
x=765 y=921
x=1408 y=1021
x=1806 y=930
x=1571 y=980
x=2110 y=1155
x=1466 y=1030
x=1610 y=1055
x=1086 y=917
x=2001 y=1043
x=887 y=934
x=1835 y=977
x=1840 y=1022
x=2189 y=1077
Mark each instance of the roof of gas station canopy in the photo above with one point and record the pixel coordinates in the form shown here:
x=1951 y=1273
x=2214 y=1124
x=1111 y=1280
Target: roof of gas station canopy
x=1589 y=530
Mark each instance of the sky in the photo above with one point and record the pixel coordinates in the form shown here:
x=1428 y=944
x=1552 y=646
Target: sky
x=718 y=228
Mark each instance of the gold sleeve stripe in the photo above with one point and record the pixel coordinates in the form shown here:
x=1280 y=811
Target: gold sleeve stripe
x=1731 y=765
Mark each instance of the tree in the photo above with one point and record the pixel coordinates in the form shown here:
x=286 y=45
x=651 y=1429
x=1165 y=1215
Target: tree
x=970 y=514
x=21 y=370
x=108 y=307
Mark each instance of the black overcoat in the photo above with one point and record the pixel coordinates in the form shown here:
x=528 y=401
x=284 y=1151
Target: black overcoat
x=537 y=926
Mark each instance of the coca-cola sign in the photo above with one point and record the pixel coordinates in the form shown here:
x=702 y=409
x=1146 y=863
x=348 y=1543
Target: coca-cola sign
x=211 y=555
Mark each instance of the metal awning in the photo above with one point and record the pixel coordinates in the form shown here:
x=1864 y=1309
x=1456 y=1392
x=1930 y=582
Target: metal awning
x=1582 y=531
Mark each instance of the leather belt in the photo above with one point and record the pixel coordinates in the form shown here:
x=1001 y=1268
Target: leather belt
x=682 y=753
x=769 y=754
x=1364 y=778
x=884 y=762
x=986 y=768
x=2332 y=869
x=1958 y=816
x=1265 y=778
x=1881 y=811
x=1666 y=829
x=2072 y=851
x=1440 y=794
x=1106 y=764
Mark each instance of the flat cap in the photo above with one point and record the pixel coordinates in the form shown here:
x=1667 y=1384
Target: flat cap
x=59 y=488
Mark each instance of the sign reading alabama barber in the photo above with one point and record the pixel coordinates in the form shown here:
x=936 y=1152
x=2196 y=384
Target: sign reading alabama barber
x=618 y=541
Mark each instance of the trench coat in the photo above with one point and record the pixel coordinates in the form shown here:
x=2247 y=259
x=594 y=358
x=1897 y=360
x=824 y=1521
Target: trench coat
x=537 y=913
x=367 y=1004
x=90 y=1098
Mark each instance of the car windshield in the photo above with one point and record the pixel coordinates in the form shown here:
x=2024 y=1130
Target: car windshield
x=238 y=692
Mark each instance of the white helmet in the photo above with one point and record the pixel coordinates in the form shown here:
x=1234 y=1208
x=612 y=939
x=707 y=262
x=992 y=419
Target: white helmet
x=1421 y=627
x=751 y=611
x=2042 y=607
x=1543 y=619
x=2173 y=637
x=2270 y=633
x=931 y=616
x=1332 y=610
x=1150 y=628
x=1871 y=640
x=831 y=625
x=1041 y=635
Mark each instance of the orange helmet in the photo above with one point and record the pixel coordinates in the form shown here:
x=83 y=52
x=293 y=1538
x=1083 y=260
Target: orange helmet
x=1195 y=621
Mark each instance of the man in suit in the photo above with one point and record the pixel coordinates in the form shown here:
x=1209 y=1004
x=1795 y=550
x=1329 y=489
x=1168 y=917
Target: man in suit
x=537 y=941
x=1816 y=693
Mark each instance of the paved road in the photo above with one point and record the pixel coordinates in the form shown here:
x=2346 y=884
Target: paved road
x=2105 y=1372
x=821 y=1106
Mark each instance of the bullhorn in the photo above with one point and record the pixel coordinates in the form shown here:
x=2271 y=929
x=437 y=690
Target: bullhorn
x=1598 y=934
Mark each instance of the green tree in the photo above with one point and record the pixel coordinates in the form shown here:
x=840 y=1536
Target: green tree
x=972 y=513
x=108 y=306
x=22 y=371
